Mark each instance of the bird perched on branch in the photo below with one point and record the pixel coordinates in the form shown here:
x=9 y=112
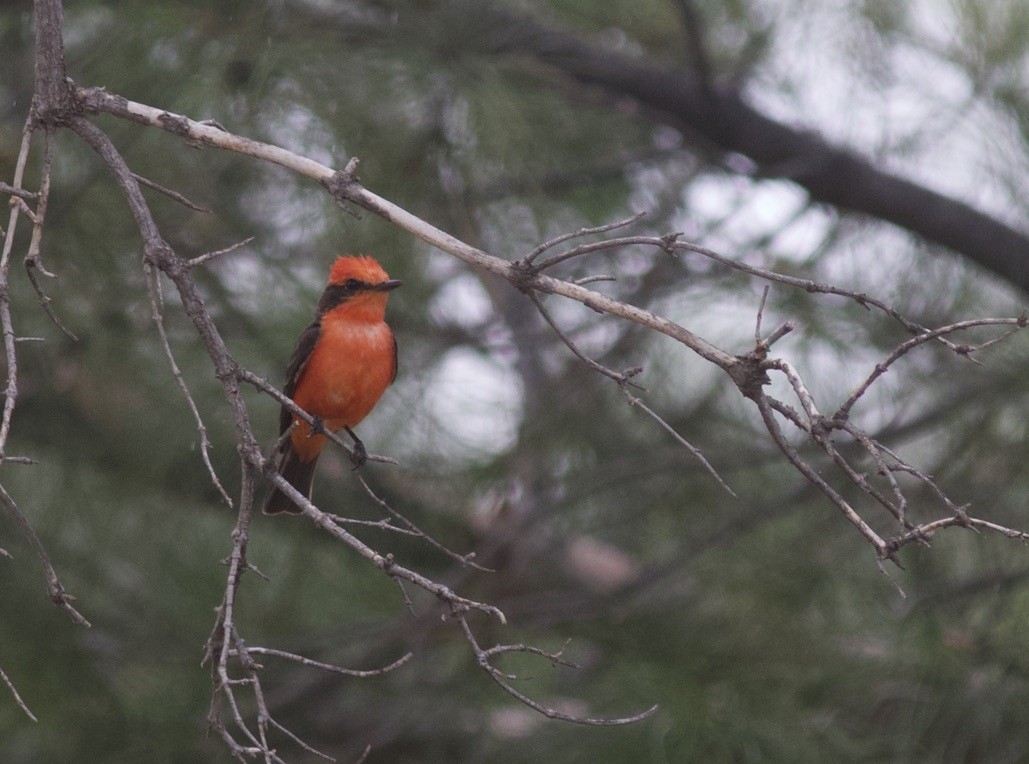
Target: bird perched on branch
x=342 y=364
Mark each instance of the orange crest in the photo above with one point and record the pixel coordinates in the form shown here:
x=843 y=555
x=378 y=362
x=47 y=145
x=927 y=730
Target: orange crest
x=359 y=267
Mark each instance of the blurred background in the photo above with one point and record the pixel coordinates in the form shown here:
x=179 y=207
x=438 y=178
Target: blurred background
x=761 y=625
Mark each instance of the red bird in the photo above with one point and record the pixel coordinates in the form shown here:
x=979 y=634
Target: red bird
x=342 y=364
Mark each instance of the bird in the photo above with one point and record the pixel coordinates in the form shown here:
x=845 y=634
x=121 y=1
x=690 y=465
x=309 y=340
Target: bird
x=342 y=364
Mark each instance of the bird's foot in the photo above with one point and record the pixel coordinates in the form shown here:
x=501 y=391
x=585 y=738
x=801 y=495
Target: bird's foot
x=359 y=455
x=317 y=426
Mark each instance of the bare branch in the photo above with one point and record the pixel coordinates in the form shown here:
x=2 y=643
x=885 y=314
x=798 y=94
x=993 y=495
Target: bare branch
x=922 y=533
x=292 y=736
x=345 y=188
x=385 y=524
x=362 y=674
x=154 y=290
x=760 y=315
x=881 y=368
x=170 y=194
x=11 y=392
x=593 y=279
x=55 y=590
x=17 y=697
x=502 y=679
x=462 y=559
x=694 y=451
x=745 y=371
x=812 y=475
x=580 y=233
x=21 y=193
x=34 y=258
x=263 y=385
x=748 y=372
x=218 y=253
x=386 y=563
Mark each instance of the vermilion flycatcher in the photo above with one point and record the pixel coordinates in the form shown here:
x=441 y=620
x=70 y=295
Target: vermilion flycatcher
x=342 y=364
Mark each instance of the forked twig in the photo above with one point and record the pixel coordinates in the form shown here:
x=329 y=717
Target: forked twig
x=34 y=259
x=385 y=563
x=502 y=679
x=531 y=257
x=624 y=380
x=157 y=314
x=462 y=559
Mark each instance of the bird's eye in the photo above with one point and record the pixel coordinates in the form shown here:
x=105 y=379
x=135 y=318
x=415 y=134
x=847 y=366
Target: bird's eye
x=352 y=284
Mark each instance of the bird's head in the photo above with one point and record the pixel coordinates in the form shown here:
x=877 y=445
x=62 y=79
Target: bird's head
x=359 y=283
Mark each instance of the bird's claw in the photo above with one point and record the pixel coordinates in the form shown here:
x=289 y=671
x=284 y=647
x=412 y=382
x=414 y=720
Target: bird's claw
x=359 y=455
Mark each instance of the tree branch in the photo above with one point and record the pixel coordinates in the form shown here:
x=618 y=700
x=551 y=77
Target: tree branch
x=721 y=117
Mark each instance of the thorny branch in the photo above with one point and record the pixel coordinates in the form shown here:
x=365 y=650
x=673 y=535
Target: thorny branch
x=157 y=315
x=59 y=104
x=748 y=371
x=227 y=653
x=55 y=589
x=504 y=680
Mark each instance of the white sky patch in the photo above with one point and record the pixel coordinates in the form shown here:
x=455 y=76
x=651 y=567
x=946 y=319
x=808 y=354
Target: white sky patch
x=297 y=211
x=461 y=301
x=906 y=101
x=477 y=405
x=298 y=129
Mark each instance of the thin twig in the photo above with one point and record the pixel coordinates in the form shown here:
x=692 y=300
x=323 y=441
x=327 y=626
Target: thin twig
x=55 y=590
x=812 y=475
x=292 y=736
x=11 y=391
x=17 y=697
x=385 y=563
x=598 y=246
x=218 y=253
x=593 y=279
x=156 y=313
x=808 y=285
x=622 y=378
x=263 y=385
x=881 y=368
x=695 y=452
x=926 y=531
x=624 y=382
x=580 y=233
x=385 y=524
x=170 y=194
x=760 y=314
x=502 y=679
x=462 y=559
x=362 y=674
x=21 y=193
x=34 y=259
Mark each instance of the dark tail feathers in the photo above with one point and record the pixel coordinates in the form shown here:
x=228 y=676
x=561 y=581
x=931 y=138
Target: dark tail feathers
x=298 y=474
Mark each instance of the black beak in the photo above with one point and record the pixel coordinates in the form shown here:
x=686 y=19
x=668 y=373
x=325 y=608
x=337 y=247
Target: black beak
x=388 y=286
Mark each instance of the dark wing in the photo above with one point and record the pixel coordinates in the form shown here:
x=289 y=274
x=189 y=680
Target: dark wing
x=297 y=363
x=396 y=360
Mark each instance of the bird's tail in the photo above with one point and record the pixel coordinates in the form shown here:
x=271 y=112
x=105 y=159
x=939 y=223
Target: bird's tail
x=299 y=474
